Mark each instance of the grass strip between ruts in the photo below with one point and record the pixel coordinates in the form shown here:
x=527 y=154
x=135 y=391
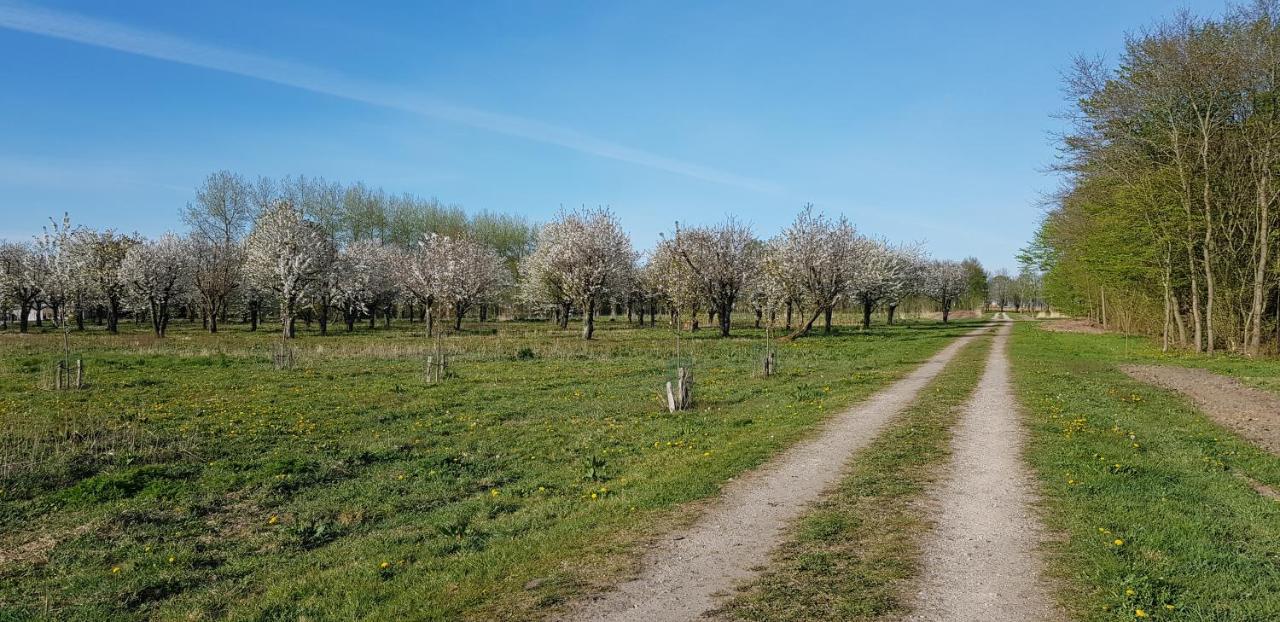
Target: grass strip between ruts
x=852 y=555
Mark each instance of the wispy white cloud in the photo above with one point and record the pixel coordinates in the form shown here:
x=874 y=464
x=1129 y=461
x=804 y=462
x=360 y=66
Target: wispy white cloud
x=105 y=34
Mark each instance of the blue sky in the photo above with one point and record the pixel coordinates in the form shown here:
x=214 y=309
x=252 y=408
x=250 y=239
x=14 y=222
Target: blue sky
x=928 y=122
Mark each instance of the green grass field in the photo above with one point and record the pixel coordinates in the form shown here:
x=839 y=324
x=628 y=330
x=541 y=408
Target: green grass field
x=1142 y=489
x=193 y=480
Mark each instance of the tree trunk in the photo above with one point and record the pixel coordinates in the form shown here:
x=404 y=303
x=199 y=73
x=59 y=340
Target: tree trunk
x=725 y=314
x=1197 y=336
x=790 y=305
x=24 y=316
x=759 y=316
x=155 y=319
x=458 y=312
x=1102 y=306
x=826 y=325
x=893 y=307
x=1208 y=301
x=391 y=310
x=804 y=330
x=324 y=319
x=564 y=316
x=253 y=316
x=653 y=314
x=1260 y=268
x=866 y=313
x=1168 y=308
x=1178 y=321
x=39 y=315
x=213 y=321
x=113 y=316
x=589 y=321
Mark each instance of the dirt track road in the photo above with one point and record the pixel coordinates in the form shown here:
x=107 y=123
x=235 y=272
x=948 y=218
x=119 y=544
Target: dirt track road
x=684 y=575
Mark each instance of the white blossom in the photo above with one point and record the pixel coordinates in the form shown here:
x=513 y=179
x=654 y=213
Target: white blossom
x=158 y=272
x=289 y=255
x=581 y=258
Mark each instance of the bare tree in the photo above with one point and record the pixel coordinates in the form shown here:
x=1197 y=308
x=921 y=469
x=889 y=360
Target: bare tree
x=223 y=210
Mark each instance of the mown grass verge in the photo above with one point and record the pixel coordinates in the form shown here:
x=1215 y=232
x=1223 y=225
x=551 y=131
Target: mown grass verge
x=1154 y=521
x=852 y=555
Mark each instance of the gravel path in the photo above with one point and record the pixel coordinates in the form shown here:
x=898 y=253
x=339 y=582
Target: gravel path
x=980 y=560
x=685 y=573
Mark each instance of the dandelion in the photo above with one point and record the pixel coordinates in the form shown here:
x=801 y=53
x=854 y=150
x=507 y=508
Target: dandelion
x=171 y=559
x=1129 y=592
x=273 y=520
x=493 y=493
x=593 y=495
x=1139 y=614
x=1169 y=607
x=1118 y=542
x=384 y=565
x=115 y=570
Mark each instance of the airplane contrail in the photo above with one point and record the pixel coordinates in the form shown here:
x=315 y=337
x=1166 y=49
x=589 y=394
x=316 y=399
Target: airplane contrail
x=104 y=34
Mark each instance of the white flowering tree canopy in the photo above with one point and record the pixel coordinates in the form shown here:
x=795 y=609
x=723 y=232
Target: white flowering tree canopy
x=944 y=282
x=158 y=273
x=467 y=273
x=102 y=253
x=290 y=256
x=366 y=276
x=722 y=259
x=583 y=257
x=817 y=256
x=675 y=282
x=19 y=277
x=883 y=273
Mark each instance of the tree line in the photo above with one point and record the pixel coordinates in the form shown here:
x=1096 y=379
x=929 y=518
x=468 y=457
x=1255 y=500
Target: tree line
x=311 y=250
x=1168 y=218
